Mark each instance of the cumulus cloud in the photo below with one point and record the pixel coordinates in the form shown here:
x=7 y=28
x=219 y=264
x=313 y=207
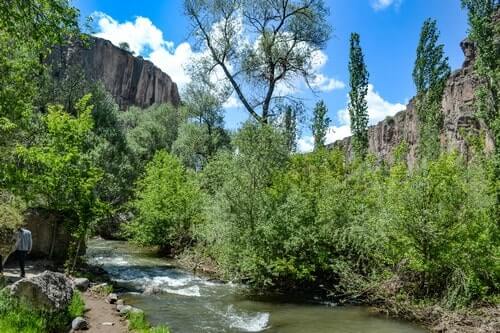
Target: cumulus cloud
x=378 y=109
x=320 y=81
x=145 y=39
x=141 y=34
x=383 y=4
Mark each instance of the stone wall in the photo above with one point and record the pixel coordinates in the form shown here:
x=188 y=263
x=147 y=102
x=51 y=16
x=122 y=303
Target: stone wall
x=458 y=118
x=130 y=80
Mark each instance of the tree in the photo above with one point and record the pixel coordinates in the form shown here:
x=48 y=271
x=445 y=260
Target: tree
x=59 y=173
x=28 y=30
x=429 y=75
x=259 y=45
x=167 y=203
x=203 y=135
x=290 y=127
x=358 y=109
x=148 y=131
x=320 y=124
x=124 y=46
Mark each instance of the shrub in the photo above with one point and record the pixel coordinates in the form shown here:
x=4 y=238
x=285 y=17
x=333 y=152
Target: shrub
x=167 y=203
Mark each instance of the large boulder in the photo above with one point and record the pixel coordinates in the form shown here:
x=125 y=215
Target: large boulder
x=81 y=284
x=49 y=291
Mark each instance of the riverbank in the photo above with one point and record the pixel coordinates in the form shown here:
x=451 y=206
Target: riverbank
x=384 y=300
x=192 y=303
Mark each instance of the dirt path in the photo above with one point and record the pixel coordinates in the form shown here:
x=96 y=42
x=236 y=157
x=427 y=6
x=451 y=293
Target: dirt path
x=101 y=312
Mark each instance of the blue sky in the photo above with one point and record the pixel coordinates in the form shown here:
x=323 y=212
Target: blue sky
x=389 y=32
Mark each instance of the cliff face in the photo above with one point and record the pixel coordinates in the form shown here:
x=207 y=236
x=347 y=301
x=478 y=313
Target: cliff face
x=130 y=80
x=458 y=111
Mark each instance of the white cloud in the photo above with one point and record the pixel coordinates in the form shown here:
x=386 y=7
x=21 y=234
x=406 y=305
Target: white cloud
x=320 y=81
x=305 y=144
x=174 y=63
x=383 y=4
x=378 y=109
x=232 y=102
x=326 y=84
x=145 y=39
x=140 y=34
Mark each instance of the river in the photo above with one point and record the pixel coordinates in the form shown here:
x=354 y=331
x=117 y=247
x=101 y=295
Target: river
x=192 y=304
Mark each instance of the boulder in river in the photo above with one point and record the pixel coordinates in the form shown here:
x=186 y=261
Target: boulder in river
x=49 y=291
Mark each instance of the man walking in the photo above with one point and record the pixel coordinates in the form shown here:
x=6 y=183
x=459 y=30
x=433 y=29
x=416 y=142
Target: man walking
x=23 y=247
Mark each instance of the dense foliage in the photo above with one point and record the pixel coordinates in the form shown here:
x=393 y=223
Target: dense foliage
x=167 y=202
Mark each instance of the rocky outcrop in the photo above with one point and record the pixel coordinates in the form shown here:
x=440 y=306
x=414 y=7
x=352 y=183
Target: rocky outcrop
x=48 y=291
x=50 y=237
x=458 y=119
x=130 y=80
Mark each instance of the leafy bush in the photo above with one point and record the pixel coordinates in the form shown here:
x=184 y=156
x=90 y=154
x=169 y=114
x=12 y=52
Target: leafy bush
x=167 y=203
x=442 y=225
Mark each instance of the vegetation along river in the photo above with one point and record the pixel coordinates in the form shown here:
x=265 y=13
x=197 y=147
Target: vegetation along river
x=191 y=304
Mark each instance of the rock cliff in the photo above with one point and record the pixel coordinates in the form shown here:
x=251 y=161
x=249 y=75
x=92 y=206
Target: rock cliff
x=458 y=111
x=130 y=80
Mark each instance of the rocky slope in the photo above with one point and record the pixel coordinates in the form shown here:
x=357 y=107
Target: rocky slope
x=458 y=119
x=131 y=80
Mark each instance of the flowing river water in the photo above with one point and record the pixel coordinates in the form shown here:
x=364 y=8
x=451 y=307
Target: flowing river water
x=192 y=304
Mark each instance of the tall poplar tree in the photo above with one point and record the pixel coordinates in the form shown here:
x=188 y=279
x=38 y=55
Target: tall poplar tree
x=358 y=109
x=320 y=124
x=429 y=75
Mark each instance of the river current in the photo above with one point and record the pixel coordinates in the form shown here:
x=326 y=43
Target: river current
x=192 y=304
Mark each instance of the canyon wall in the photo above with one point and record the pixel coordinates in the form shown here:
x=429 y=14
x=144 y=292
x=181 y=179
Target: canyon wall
x=458 y=119
x=130 y=80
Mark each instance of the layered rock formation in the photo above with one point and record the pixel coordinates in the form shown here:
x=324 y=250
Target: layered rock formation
x=130 y=80
x=458 y=119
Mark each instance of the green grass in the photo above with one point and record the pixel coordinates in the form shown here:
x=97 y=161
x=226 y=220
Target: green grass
x=102 y=290
x=139 y=324
x=77 y=306
x=16 y=317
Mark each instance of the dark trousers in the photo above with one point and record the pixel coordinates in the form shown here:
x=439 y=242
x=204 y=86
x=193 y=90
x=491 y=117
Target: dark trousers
x=1 y=264
x=21 y=256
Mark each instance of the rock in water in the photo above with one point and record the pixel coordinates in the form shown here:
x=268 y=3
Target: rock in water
x=79 y=323
x=81 y=284
x=46 y=291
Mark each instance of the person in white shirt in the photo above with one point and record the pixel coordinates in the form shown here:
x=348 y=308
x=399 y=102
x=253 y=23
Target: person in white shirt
x=24 y=244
